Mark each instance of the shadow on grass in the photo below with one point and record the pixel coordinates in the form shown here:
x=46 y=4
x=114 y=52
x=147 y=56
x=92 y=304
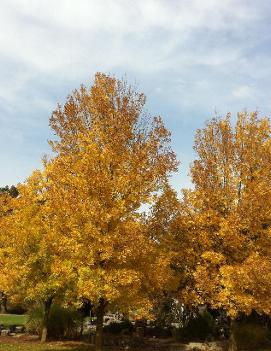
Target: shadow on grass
x=22 y=345
x=68 y=346
x=74 y=348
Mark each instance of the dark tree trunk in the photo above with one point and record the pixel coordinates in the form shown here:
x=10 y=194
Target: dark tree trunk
x=47 y=308
x=3 y=302
x=99 y=326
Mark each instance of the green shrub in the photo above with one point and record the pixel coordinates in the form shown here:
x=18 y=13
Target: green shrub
x=167 y=311
x=199 y=328
x=118 y=327
x=16 y=309
x=251 y=335
x=63 y=322
x=34 y=321
x=158 y=331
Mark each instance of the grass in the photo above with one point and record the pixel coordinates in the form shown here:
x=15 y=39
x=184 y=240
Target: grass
x=12 y=319
x=40 y=347
x=20 y=319
x=11 y=344
x=26 y=343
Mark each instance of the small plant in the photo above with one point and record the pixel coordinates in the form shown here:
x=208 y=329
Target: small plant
x=198 y=328
x=118 y=327
x=63 y=322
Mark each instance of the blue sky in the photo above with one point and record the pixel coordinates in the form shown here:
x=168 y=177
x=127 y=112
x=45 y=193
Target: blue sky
x=190 y=57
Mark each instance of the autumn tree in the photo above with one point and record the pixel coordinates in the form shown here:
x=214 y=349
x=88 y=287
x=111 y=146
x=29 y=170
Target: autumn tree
x=169 y=224
x=111 y=158
x=6 y=209
x=228 y=215
x=37 y=273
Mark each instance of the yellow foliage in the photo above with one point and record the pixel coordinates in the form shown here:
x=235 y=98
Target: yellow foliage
x=228 y=213
x=111 y=158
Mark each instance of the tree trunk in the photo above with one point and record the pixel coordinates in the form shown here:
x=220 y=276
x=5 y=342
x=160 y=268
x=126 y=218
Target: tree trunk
x=232 y=342
x=3 y=302
x=99 y=326
x=47 y=308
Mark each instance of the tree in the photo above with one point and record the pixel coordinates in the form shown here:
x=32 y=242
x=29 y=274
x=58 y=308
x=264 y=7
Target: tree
x=111 y=158
x=6 y=209
x=228 y=215
x=6 y=195
x=37 y=273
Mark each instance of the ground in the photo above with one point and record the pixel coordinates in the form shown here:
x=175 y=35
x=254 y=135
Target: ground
x=27 y=344
x=31 y=343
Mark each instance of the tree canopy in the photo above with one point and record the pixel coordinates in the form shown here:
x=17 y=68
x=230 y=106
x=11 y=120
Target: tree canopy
x=76 y=229
x=228 y=215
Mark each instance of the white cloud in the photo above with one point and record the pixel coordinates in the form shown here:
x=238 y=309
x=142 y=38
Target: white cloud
x=243 y=92
x=189 y=56
x=72 y=37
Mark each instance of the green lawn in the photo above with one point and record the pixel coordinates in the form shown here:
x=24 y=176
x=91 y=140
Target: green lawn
x=15 y=345
x=12 y=319
x=36 y=347
x=20 y=319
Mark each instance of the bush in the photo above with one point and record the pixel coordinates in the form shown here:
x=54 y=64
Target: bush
x=158 y=331
x=118 y=327
x=63 y=322
x=167 y=311
x=34 y=321
x=199 y=328
x=16 y=309
x=251 y=335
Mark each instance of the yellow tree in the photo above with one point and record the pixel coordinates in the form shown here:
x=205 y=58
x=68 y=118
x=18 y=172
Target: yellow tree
x=111 y=158
x=37 y=273
x=228 y=215
x=6 y=242
x=170 y=225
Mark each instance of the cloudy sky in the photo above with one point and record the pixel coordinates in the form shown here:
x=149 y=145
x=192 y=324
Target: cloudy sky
x=192 y=58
